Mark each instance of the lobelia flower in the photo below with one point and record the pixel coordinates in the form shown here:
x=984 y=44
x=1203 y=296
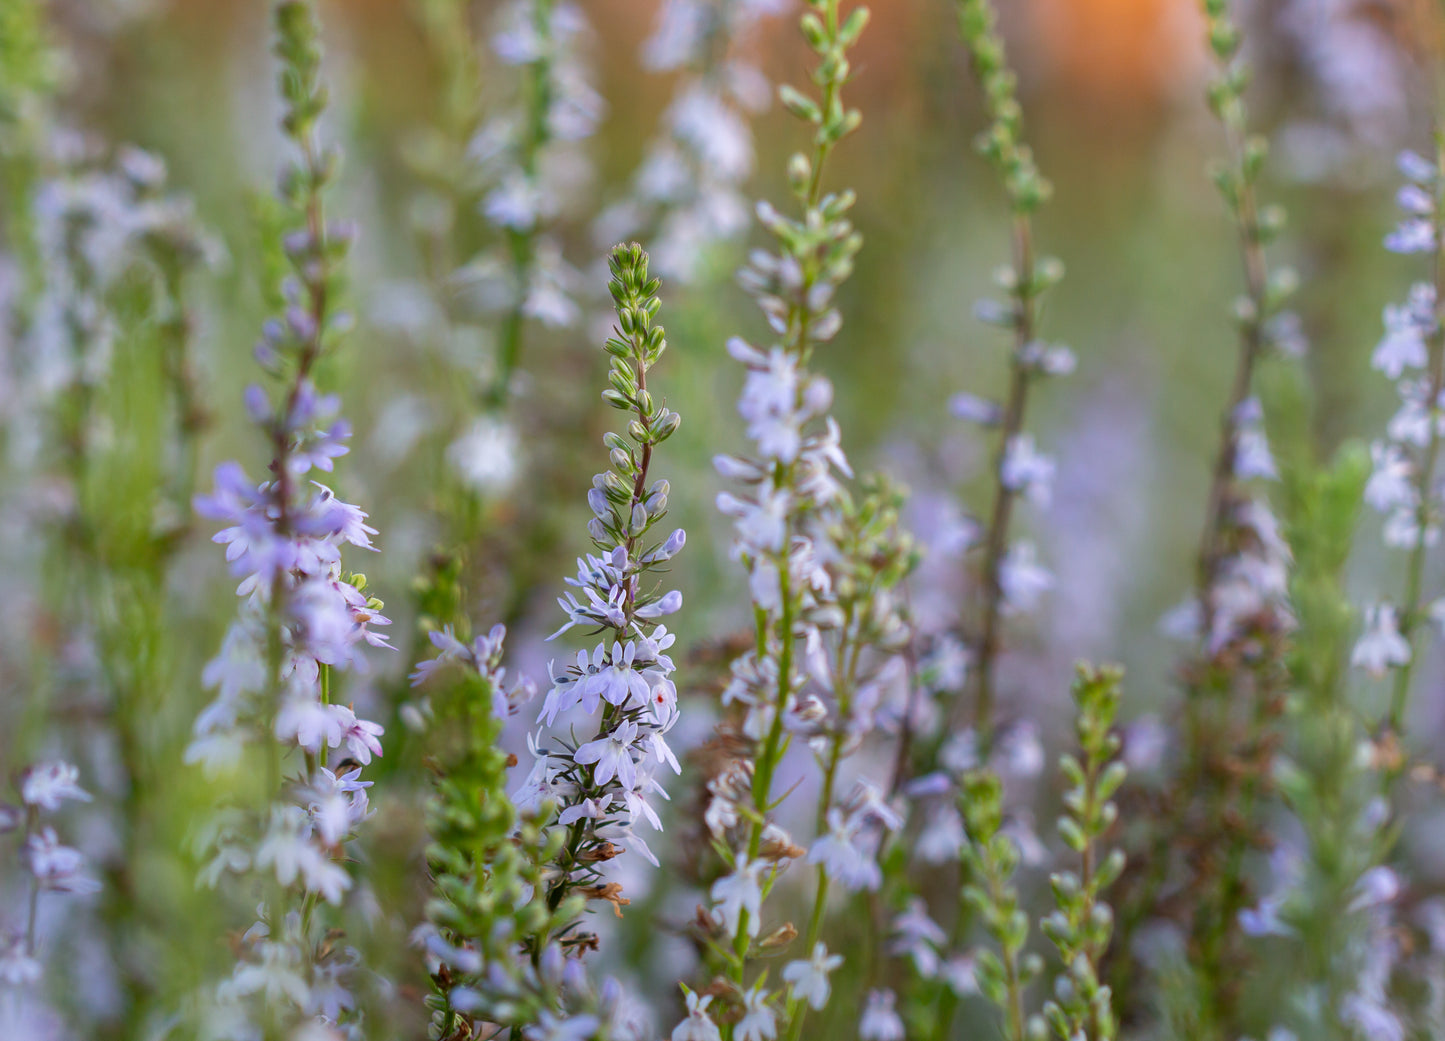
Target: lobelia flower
x=880 y=1022
x=1381 y=646
x=737 y=892
x=47 y=785
x=698 y=1026
x=809 y=979
x=759 y=1022
x=506 y=966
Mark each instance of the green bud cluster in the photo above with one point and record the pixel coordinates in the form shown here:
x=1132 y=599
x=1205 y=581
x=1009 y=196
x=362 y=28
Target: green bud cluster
x=1081 y=1009
x=1002 y=143
x=990 y=858
x=483 y=857
x=634 y=348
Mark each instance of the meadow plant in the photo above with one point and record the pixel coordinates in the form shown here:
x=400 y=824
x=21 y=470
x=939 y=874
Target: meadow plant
x=1239 y=616
x=1011 y=579
x=803 y=806
x=302 y=618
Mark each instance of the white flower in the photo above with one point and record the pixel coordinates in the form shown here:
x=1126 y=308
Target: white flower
x=974 y=409
x=942 y=837
x=550 y=1027
x=1252 y=457
x=739 y=892
x=697 y=1026
x=277 y=976
x=1020 y=753
x=919 y=937
x=486 y=457
x=1026 y=470
x=1381 y=645
x=759 y=1023
x=18 y=968
x=809 y=979
x=1023 y=579
x=1264 y=919
x=312 y=725
x=613 y=755
x=1404 y=344
x=960 y=973
x=1379 y=885
x=880 y=1022
x=1390 y=486
x=46 y=785
x=841 y=857
x=57 y=867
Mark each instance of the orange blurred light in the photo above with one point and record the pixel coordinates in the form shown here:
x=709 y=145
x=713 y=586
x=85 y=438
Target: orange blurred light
x=1127 y=52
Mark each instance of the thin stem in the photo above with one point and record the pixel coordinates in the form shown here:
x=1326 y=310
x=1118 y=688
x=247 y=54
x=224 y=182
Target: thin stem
x=32 y=820
x=522 y=243
x=1256 y=275
x=1004 y=496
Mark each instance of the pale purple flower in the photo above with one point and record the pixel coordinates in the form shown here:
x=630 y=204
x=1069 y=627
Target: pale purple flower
x=56 y=867
x=879 y=1021
x=698 y=1026
x=809 y=979
x=1380 y=646
x=47 y=785
x=759 y=1022
x=740 y=892
x=613 y=755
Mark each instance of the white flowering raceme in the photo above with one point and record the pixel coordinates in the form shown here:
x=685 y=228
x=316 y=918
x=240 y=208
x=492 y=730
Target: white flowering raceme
x=823 y=572
x=1404 y=484
x=302 y=618
x=606 y=787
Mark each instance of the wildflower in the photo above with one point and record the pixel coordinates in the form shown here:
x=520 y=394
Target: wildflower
x=56 y=867
x=698 y=1026
x=880 y=1022
x=919 y=937
x=842 y=857
x=1026 y=470
x=809 y=979
x=613 y=756
x=47 y=785
x=738 y=893
x=550 y=1027
x=1380 y=646
x=759 y=1022
x=1022 y=579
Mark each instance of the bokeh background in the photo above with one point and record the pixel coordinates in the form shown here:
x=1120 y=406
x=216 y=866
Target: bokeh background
x=1112 y=91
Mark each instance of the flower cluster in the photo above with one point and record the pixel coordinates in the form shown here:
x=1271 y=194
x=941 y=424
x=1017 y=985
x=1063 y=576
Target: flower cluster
x=822 y=572
x=1404 y=484
x=50 y=867
x=686 y=192
x=301 y=618
x=529 y=156
x=95 y=224
x=482 y=930
x=608 y=786
x=1242 y=568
